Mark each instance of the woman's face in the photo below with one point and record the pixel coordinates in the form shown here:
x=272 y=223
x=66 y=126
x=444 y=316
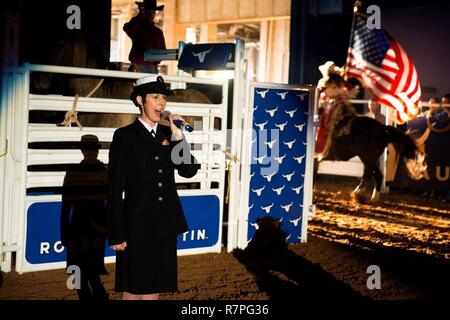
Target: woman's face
x=152 y=107
x=332 y=90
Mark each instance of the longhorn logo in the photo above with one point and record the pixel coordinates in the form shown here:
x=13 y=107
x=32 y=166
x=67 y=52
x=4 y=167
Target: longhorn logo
x=278 y=190
x=300 y=126
x=289 y=143
x=258 y=191
x=201 y=55
x=261 y=125
x=301 y=96
x=280 y=159
x=289 y=176
x=271 y=112
x=271 y=143
x=269 y=177
x=295 y=221
x=281 y=125
x=297 y=189
x=299 y=159
x=291 y=112
x=259 y=159
x=282 y=94
x=287 y=207
x=267 y=209
x=262 y=93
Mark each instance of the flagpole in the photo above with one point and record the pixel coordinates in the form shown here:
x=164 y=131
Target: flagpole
x=356 y=7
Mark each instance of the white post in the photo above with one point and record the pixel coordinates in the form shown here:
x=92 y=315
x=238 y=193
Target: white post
x=236 y=147
x=13 y=166
x=3 y=154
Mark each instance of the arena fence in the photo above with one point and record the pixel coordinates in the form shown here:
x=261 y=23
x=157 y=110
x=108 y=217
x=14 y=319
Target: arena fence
x=38 y=155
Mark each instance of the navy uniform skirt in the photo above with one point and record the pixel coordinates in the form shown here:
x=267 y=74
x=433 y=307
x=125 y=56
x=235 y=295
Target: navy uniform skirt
x=147 y=269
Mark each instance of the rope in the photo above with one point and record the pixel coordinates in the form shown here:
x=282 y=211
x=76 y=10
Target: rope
x=72 y=115
x=4 y=153
x=233 y=158
x=100 y=82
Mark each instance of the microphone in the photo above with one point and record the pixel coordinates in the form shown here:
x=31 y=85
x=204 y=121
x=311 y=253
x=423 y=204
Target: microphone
x=178 y=123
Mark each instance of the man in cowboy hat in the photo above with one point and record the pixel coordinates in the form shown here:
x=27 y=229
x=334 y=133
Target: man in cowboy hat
x=144 y=35
x=144 y=225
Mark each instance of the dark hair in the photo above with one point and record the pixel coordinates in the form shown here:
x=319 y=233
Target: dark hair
x=435 y=98
x=335 y=78
x=447 y=96
x=135 y=95
x=158 y=86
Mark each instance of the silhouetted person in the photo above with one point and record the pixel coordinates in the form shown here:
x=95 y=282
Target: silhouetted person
x=144 y=35
x=83 y=219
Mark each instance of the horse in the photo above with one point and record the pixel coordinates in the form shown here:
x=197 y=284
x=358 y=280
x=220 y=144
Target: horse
x=77 y=51
x=367 y=138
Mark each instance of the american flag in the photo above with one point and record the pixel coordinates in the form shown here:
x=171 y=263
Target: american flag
x=384 y=68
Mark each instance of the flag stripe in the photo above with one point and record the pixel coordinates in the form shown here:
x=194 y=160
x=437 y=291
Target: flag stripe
x=358 y=59
x=375 y=77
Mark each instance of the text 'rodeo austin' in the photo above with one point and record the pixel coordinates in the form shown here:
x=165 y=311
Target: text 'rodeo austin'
x=57 y=247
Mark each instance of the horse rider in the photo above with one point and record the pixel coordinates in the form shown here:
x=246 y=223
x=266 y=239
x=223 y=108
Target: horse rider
x=334 y=107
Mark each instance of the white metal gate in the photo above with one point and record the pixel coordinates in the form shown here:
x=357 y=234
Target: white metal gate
x=30 y=220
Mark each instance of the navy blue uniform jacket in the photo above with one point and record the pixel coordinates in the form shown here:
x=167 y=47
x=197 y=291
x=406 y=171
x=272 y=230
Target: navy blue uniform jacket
x=149 y=217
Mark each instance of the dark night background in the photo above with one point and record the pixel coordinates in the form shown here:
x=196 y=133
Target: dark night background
x=320 y=31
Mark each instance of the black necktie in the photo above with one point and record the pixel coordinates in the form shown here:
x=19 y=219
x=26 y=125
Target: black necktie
x=153 y=133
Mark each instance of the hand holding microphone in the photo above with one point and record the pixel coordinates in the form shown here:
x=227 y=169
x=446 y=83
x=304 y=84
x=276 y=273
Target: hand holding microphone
x=177 y=120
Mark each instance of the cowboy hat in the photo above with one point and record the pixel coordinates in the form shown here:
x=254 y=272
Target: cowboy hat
x=326 y=69
x=149 y=84
x=150 y=5
x=89 y=141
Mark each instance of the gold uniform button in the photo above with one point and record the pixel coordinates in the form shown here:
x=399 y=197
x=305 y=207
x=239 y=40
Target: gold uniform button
x=160 y=199
x=160 y=171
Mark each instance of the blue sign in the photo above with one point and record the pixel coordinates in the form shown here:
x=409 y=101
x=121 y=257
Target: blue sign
x=280 y=118
x=203 y=218
x=206 y=56
x=43 y=244
x=435 y=127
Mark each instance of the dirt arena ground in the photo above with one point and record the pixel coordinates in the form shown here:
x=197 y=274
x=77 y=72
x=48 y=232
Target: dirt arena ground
x=406 y=236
